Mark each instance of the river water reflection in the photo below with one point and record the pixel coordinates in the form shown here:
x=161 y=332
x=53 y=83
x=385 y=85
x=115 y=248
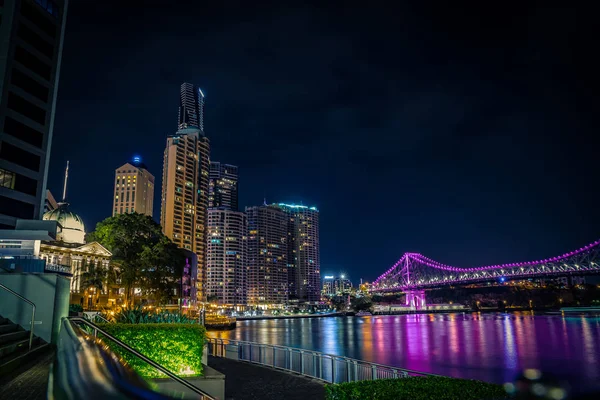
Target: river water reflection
x=490 y=347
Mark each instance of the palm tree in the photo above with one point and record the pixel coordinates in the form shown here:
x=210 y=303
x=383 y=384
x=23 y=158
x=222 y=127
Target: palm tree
x=94 y=277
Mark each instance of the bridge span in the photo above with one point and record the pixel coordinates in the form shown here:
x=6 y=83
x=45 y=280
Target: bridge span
x=413 y=272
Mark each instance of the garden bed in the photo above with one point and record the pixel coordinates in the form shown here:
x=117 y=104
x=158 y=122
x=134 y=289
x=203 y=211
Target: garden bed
x=416 y=388
x=177 y=347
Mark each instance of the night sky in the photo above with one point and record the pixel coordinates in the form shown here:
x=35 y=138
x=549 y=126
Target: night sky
x=457 y=130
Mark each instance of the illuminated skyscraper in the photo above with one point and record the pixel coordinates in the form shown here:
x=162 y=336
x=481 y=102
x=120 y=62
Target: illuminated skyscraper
x=31 y=37
x=184 y=195
x=191 y=107
x=223 y=186
x=134 y=189
x=267 y=253
x=226 y=261
x=304 y=261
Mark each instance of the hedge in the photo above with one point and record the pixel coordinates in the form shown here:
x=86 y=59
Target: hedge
x=416 y=388
x=177 y=347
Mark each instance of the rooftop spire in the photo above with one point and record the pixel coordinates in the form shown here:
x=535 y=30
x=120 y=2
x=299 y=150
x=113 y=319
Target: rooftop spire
x=64 y=198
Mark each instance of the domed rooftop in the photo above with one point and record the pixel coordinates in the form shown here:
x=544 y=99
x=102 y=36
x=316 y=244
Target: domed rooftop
x=73 y=229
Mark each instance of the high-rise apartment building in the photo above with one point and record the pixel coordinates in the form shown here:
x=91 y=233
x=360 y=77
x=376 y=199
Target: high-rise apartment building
x=267 y=252
x=304 y=261
x=191 y=107
x=184 y=195
x=134 y=189
x=31 y=38
x=223 y=186
x=226 y=257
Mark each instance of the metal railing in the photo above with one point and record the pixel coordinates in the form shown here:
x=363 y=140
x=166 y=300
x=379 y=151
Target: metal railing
x=326 y=367
x=32 y=311
x=95 y=328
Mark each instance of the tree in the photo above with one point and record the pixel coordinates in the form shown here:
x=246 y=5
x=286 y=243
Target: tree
x=143 y=256
x=94 y=277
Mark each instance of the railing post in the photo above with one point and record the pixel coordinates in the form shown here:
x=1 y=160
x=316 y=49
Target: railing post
x=356 y=371
x=32 y=323
x=332 y=370
x=348 y=373
x=315 y=365
x=395 y=371
x=291 y=361
x=374 y=371
x=273 y=363
x=301 y=362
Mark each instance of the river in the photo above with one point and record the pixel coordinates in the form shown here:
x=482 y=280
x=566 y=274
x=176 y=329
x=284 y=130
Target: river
x=491 y=347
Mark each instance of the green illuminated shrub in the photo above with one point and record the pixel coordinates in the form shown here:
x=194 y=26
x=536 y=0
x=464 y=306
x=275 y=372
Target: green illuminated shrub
x=416 y=388
x=177 y=347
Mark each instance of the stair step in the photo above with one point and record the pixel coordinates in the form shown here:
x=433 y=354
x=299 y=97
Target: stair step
x=15 y=360
x=7 y=328
x=13 y=336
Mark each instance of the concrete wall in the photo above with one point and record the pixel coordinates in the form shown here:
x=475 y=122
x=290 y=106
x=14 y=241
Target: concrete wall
x=212 y=383
x=49 y=293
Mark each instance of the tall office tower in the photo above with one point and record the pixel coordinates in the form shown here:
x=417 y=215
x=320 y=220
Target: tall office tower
x=191 y=107
x=267 y=253
x=134 y=189
x=184 y=199
x=303 y=234
x=226 y=257
x=223 y=186
x=31 y=37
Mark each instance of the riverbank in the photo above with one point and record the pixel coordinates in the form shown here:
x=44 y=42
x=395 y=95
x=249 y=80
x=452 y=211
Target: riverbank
x=298 y=316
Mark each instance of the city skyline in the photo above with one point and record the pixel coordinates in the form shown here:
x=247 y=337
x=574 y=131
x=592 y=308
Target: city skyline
x=463 y=186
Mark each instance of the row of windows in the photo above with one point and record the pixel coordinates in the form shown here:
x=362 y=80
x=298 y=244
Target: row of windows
x=18 y=182
x=16 y=208
x=30 y=61
x=34 y=14
x=29 y=85
x=19 y=156
x=23 y=132
x=49 y=6
x=35 y=41
x=25 y=108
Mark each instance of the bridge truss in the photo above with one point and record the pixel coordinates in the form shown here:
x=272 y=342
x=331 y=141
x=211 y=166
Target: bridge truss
x=415 y=271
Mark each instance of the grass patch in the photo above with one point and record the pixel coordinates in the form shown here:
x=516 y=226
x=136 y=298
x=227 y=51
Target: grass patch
x=177 y=347
x=416 y=388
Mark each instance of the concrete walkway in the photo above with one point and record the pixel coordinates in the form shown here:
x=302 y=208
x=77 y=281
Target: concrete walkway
x=29 y=381
x=244 y=381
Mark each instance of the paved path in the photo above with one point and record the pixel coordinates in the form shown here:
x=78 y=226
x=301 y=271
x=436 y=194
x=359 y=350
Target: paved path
x=29 y=381
x=244 y=381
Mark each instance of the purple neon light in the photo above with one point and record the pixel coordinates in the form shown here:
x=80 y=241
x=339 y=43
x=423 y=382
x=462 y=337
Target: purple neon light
x=434 y=264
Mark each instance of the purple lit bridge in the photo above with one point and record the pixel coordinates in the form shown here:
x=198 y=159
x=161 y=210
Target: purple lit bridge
x=414 y=273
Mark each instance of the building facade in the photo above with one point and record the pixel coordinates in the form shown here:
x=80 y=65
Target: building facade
x=342 y=285
x=226 y=257
x=191 y=107
x=50 y=203
x=31 y=33
x=134 y=189
x=304 y=260
x=223 y=186
x=267 y=255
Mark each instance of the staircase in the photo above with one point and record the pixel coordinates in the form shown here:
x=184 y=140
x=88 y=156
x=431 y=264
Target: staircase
x=14 y=346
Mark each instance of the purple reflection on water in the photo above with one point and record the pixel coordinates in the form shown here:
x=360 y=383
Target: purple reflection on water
x=490 y=347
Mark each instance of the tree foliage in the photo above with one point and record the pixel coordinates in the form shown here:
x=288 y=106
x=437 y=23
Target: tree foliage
x=143 y=256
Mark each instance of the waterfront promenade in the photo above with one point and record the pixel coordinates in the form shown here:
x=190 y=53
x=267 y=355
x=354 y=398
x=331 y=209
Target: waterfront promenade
x=250 y=381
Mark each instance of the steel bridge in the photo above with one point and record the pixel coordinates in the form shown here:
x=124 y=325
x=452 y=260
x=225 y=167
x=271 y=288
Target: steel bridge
x=415 y=272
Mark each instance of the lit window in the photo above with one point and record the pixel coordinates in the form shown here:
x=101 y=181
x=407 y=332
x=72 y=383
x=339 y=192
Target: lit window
x=7 y=179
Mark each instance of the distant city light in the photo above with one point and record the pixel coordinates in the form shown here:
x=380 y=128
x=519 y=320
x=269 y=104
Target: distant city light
x=200 y=91
x=328 y=277
x=343 y=276
x=502 y=279
x=137 y=159
x=297 y=206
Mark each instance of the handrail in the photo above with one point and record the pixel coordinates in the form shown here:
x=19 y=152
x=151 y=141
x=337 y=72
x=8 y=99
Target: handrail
x=350 y=365
x=32 y=311
x=143 y=357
